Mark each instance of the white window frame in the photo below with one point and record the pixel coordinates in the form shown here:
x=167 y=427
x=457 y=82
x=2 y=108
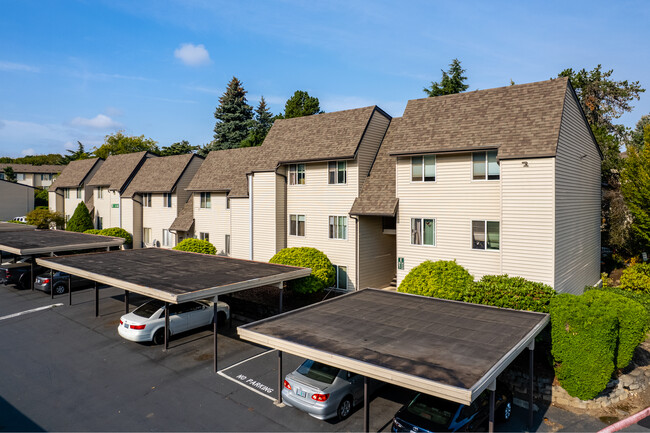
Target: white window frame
x=485 y=234
x=147 y=235
x=422 y=222
x=487 y=166
x=206 y=200
x=67 y=192
x=336 y=281
x=21 y=176
x=100 y=192
x=168 y=238
x=423 y=168
x=295 y=225
x=167 y=199
x=204 y=236
x=146 y=199
x=100 y=222
x=297 y=173
x=335 y=167
x=79 y=193
x=334 y=234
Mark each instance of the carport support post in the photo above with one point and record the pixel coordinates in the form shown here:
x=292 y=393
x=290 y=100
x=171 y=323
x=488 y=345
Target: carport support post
x=31 y=271
x=126 y=302
x=531 y=352
x=280 y=384
x=366 y=406
x=492 y=387
x=69 y=289
x=214 y=328
x=281 y=287
x=51 y=283
x=166 y=326
x=96 y=300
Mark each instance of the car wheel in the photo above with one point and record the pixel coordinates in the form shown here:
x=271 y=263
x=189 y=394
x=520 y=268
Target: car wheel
x=506 y=411
x=345 y=408
x=159 y=337
x=59 y=289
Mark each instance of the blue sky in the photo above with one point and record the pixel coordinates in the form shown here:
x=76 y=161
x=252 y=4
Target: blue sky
x=78 y=70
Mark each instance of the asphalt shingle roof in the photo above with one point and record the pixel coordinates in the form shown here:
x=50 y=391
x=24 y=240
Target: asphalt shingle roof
x=74 y=173
x=117 y=170
x=159 y=174
x=185 y=219
x=28 y=168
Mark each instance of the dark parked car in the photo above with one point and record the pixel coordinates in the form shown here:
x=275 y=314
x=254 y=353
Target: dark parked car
x=426 y=413
x=60 y=282
x=18 y=273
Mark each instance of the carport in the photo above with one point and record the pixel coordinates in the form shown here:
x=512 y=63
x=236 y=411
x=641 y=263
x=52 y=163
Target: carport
x=30 y=242
x=13 y=227
x=448 y=349
x=174 y=276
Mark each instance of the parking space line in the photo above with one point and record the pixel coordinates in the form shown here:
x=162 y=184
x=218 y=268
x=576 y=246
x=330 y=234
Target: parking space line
x=237 y=381
x=33 y=310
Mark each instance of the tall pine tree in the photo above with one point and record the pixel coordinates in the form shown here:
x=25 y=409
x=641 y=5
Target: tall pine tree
x=234 y=117
x=300 y=104
x=453 y=81
x=263 y=122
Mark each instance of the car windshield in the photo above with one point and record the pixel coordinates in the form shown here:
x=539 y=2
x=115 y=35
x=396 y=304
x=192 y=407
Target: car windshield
x=435 y=410
x=317 y=371
x=147 y=310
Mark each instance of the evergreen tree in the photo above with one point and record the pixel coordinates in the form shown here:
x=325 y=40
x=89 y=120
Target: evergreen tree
x=263 y=123
x=636 y=138
x=179 y=148
x=80 y=221
x=300 y=104
x=234 y=118
x=453 y=81
x=9 y=174
x=635 y=185
x=75 y=155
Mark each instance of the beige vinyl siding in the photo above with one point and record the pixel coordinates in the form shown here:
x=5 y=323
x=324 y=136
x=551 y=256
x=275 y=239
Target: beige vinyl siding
x=103 y=208
x=132 y=218
x=181 y=193
x=113 y=198
x=55 y=200
x=239 y=223
x=577 y=203
x=377 y=260
x=453 y=200
x=527 y=228
x=17 y=200
x=70 y=204
x=280 y=212
x=29 y=179
x=317 y=200
x=159 y=218
x=370 y=144
x=264 y=215
x=215 y=220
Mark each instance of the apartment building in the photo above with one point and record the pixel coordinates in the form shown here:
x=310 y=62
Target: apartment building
x=37 y=176
x=504 y=181
x=17 y=200
x=108 y=185
x=155 y=198
x=71 y=186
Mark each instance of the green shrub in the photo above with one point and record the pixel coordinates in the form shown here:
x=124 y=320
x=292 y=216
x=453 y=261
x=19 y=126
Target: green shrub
x=322 y=270
x=441 y=279
x=80 y=221
x=40 y=198
x=584 y=336
x=92 y=232
x=636 y=278
x=642 y=298
x=511 y=292
x=118 y=232
x=196 y=246
x=43 y=218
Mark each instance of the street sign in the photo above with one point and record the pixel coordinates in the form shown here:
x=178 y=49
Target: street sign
x=400 y=263
x=116 y=205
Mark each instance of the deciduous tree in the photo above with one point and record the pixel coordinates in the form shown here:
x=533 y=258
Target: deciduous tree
x=300 y=104
x=179 y=148
x=635 y=185
x=453 y=81
x=118 y=143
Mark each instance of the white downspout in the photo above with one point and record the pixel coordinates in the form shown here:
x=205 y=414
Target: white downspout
x=250 y=215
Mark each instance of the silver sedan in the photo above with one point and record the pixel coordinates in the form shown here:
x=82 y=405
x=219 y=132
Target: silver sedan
x=322 y=391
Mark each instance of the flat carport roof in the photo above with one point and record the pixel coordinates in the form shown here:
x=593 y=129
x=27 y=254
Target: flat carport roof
x=453 y=350
x=173 y=276
x=32 y=242
x=13 y=227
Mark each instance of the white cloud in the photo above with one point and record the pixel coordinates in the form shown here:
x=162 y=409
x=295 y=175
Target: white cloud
x=26 y=152
x=192 y=55
x=101 y=121
x=10 y=66
x=2 y=124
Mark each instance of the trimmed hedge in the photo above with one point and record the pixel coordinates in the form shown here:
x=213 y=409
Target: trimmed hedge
x=118 y=232
x=636 y=278
x=441 y=279
x=92 y=231
x=196 y=246
x=642 y=298
x=322 y=270
x=80 y=220
x=511 y=292
x=593 y=335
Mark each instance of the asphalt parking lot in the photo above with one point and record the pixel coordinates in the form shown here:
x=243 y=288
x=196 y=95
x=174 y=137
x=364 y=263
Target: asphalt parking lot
x=64 y=369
